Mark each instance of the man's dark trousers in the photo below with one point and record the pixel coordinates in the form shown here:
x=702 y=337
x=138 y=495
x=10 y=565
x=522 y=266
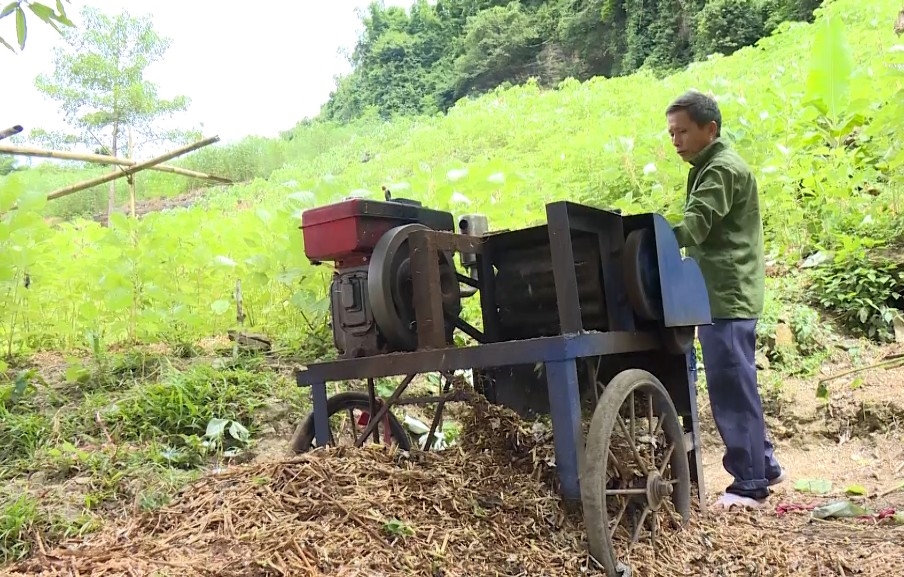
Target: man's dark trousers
x=729 y=348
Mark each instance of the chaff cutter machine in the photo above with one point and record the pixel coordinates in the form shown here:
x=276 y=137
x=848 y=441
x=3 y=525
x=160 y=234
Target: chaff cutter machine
x=591 y=312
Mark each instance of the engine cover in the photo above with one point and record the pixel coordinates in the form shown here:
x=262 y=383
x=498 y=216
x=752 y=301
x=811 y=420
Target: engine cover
x=347 y=232
x=371 y=292
x=355 y=332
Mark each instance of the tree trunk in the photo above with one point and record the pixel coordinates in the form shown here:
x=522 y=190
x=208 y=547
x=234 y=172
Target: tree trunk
x=131 y=179
x=111 y=199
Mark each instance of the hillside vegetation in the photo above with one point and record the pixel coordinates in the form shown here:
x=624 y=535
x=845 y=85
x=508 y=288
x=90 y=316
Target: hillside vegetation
x=424 y=60
x=814 y=108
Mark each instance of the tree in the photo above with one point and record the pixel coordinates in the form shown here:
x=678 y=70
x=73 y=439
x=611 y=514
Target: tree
x=42 y=11
x=500 y=44
x=99 y=82
x=7 y=165
x=725 y=26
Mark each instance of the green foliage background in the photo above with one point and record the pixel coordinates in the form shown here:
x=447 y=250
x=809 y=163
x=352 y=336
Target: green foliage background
x=814 y=108
x=424 y=60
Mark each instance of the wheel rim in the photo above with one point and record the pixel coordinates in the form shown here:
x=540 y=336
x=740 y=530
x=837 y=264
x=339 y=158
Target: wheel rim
x=351 y=421
x=351 y=412
x=634 y=482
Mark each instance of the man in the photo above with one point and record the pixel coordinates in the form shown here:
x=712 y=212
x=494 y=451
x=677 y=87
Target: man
x=723 y=231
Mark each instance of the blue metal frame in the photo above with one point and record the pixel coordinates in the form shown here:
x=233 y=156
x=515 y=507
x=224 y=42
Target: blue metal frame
x=557 y=353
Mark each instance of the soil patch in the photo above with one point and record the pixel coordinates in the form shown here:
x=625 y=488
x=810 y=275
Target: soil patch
x=858 y=405
x=143 y=207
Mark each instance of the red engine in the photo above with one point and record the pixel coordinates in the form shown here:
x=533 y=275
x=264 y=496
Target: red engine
x=347 y=232
x=370 y=293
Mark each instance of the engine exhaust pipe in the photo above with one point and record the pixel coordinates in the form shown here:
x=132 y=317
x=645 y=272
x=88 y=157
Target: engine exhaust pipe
x=471 y=225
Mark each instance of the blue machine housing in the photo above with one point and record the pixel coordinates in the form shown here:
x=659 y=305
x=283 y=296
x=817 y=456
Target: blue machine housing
x=684 y=296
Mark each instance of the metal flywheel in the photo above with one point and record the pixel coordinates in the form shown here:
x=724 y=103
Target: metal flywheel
x=391 y=291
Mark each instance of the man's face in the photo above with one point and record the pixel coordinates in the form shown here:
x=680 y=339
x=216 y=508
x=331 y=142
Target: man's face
x=688 y=138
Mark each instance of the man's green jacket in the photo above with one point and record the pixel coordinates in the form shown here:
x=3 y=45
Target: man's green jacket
x=722 y=230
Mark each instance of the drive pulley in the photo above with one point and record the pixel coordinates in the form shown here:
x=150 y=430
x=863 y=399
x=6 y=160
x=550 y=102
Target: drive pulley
x=391 y=290
x=644 y=290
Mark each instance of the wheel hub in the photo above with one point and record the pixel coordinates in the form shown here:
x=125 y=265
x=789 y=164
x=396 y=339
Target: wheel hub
x=657 y=490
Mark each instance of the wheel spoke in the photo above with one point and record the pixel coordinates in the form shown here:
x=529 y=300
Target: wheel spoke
x=615 y=524
x=632 y=503
x=666 y=459
x=639 y=525
x=631 y=441
x=622 y=472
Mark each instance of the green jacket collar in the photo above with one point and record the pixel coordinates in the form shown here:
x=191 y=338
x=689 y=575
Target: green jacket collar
x=707 y=153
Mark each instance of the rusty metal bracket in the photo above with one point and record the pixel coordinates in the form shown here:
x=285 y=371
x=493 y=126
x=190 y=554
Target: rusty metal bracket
x=426 y=246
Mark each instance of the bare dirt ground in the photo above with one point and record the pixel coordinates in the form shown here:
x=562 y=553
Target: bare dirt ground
x=147 y=206
x=851 y=438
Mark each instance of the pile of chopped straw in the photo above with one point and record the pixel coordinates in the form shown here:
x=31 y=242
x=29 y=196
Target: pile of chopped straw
x=485 y=508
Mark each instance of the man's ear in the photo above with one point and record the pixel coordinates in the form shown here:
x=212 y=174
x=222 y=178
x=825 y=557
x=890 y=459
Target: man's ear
x=712 y=129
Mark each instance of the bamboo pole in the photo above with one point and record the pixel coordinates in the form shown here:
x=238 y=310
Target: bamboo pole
x=73 y=188
x=104 y=159
x=11 y=131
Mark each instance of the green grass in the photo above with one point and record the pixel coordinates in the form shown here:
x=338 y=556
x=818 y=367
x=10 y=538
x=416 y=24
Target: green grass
x=88 y=439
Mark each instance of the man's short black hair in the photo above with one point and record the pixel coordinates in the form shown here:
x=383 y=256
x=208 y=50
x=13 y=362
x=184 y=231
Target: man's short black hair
x=701 y=108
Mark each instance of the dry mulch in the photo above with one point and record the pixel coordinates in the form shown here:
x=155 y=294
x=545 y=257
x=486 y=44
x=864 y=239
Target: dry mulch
x=483 y=508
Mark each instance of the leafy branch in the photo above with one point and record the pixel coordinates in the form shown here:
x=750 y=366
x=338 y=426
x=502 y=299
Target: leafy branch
x=42 y=11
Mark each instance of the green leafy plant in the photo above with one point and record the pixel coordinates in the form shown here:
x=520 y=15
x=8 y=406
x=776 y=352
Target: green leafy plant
x=864 y=290
x=216 y=441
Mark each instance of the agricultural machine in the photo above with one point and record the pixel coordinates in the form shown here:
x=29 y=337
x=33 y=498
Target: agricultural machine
x=592 y=313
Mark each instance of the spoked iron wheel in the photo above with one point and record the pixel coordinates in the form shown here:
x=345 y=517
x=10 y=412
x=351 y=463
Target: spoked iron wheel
x=636 y=477
x=349 y=414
